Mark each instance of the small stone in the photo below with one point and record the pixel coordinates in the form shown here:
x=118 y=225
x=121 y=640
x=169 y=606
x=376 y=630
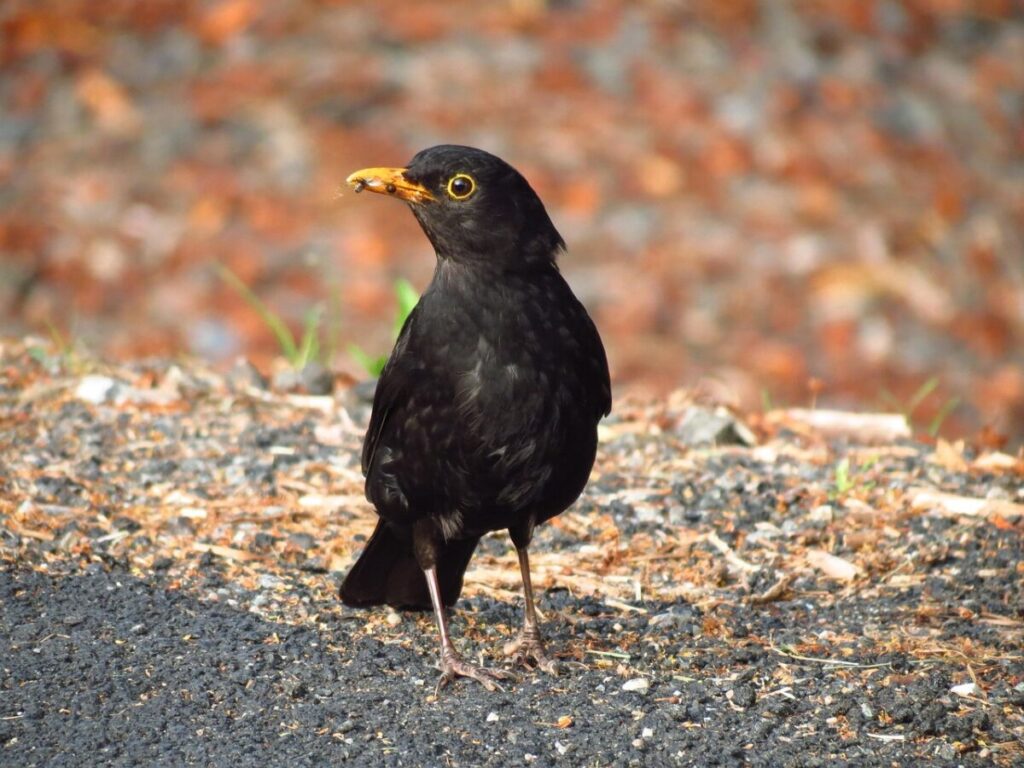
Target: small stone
x=647 y=733
x=244 y=375
x=393 y=619
x=822 y=514
x=303 y=541
x=703 y=426
x=269 y=581
x=945 y=751
x=492 y=717
x=743 y=696
x=638 y=684
x=364 y=391
x=95 y=389
x=287 y=380
x=316 y=379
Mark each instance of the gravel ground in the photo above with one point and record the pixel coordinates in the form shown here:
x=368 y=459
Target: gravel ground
x=170 y=553
x=105 y=668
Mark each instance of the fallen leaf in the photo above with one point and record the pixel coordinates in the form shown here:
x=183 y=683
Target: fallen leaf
x=949 y=455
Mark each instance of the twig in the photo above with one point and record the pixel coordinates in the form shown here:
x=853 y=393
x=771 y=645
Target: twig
x=730 y=556
x=613 y=654
x=775 y=591
x=611 y=601
x=833 y=662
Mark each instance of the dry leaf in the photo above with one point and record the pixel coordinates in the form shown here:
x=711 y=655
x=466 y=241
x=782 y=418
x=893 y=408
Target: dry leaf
x=950 y=455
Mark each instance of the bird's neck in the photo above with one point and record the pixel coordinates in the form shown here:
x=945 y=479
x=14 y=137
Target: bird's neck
x=471 y=274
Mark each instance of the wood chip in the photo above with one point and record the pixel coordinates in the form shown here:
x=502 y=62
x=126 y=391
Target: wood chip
x=951 y=505
x=864 y=427
x=833 y=566
x=229 y=553
x=998 y=462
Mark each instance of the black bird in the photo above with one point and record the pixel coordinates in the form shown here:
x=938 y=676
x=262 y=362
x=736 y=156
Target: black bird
x=485 y=416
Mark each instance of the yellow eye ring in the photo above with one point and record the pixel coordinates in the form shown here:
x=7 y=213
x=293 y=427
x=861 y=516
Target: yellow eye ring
x=461 y=186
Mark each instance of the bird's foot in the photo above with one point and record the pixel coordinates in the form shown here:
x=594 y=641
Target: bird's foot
x=527 y=650
x=453 y=666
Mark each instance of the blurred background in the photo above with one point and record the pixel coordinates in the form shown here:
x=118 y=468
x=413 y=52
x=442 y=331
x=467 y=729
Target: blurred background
x=784 y=203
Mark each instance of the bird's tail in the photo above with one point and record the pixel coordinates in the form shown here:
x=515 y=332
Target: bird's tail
x=387 y=572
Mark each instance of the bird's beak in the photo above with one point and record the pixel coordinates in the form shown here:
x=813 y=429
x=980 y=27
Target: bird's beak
x=389 y=181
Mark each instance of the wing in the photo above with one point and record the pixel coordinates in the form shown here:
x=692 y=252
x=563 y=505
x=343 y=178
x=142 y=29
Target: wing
x=602 y=378
x=391 y=389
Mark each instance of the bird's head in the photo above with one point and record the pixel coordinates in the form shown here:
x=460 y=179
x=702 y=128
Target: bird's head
x=475 y=208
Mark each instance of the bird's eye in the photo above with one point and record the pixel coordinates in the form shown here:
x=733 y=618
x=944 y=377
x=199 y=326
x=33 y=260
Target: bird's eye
x=461 y=186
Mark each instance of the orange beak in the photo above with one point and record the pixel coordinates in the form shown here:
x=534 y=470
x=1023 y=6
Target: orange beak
x=389 y=181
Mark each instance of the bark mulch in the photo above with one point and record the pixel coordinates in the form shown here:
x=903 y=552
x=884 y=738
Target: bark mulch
x=822 y=590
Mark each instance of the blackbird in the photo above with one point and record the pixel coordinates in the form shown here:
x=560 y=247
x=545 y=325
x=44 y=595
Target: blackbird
x=485 y=415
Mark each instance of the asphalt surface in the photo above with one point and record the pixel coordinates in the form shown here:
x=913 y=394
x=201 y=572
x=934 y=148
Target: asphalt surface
x=101 y=667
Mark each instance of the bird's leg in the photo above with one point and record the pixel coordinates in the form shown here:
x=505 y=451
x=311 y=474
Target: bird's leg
x=529 y=645
x=452 y=664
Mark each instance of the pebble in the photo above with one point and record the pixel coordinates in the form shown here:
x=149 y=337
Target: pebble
x=492 y=717
x=244 y=374
x=822 y=514
x=638 y=684
x=269 y=581
x=704 y=426
x=95 y=389
x=303 y=541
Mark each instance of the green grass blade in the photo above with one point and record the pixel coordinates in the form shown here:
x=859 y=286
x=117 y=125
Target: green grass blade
x=407 y=300
x=284 y=337
x=372 y=365
x=843 y=481
x=332 y=323
x=948 y=407
x=922 y=392
x=309 y=348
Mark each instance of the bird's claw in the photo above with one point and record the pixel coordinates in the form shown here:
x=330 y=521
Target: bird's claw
x=454 y=666
x=527 y=650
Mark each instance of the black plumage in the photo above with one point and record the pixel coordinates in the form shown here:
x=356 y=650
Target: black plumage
x=485 y=416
